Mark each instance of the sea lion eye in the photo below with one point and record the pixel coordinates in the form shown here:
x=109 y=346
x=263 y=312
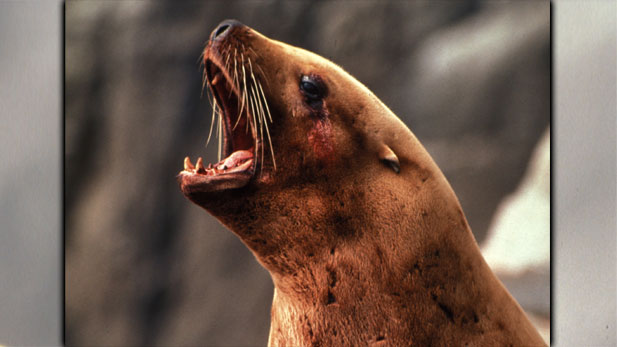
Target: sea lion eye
x=312 y=87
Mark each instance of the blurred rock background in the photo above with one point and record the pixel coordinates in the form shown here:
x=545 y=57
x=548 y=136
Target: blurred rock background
x=144 y=266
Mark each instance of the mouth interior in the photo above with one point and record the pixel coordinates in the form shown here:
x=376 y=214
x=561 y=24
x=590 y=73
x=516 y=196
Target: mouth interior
x=238 y=141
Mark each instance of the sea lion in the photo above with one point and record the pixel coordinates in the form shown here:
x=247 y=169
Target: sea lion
x=365 y=241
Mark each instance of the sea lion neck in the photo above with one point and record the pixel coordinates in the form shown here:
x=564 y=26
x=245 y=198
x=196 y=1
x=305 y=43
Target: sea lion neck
x=304 y=226
x=381 y=285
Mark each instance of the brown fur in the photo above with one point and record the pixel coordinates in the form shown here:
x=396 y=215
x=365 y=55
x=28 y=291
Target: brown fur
x=358 y=253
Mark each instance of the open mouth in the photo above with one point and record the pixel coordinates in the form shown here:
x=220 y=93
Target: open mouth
x=237 y=136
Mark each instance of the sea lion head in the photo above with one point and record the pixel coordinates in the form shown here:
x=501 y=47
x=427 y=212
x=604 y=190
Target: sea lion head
x=312 y=159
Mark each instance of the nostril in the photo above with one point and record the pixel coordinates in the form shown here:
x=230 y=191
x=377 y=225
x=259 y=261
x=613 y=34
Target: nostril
x=225 y=28
x=221 y=29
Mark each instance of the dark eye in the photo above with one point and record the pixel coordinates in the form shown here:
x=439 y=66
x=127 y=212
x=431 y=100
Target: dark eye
x=312 y=87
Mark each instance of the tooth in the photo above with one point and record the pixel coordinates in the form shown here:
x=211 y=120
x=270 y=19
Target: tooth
x=210 y=166
x=200 y=165
x=187 y=164
x=216 y=78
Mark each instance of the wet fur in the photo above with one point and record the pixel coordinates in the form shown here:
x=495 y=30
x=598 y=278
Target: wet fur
x=359 y=255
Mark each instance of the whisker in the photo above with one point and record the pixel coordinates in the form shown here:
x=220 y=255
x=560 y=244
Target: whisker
x=252 y=50
x=237 y=122
x=201 y=56
x=220 y=136
x=261 y=122
x=227 y=61
x=271 y=148
x=212 y=121
x=254 y=125
x=203 y=83
x=265 y=102
x=209 y=93
x=234 y=79
x=264 y=120
x=240 y=93
x=244 y=92
x=255 y=97
x=263 y=75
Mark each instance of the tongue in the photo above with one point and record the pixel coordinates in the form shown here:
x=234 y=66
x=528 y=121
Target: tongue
x=237 y=157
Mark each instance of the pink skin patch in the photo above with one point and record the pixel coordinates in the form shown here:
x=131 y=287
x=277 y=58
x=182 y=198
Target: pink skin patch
x=320 y=137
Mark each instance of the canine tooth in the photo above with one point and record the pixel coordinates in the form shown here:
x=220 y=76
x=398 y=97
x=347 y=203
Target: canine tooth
x=200 y=165
x=216 y=79
x=210 y=166
x=187 y=164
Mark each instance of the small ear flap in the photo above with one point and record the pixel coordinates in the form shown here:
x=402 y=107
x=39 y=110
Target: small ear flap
x=387 y=156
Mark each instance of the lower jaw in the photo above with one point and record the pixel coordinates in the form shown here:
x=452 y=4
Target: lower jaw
x=233 y=172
